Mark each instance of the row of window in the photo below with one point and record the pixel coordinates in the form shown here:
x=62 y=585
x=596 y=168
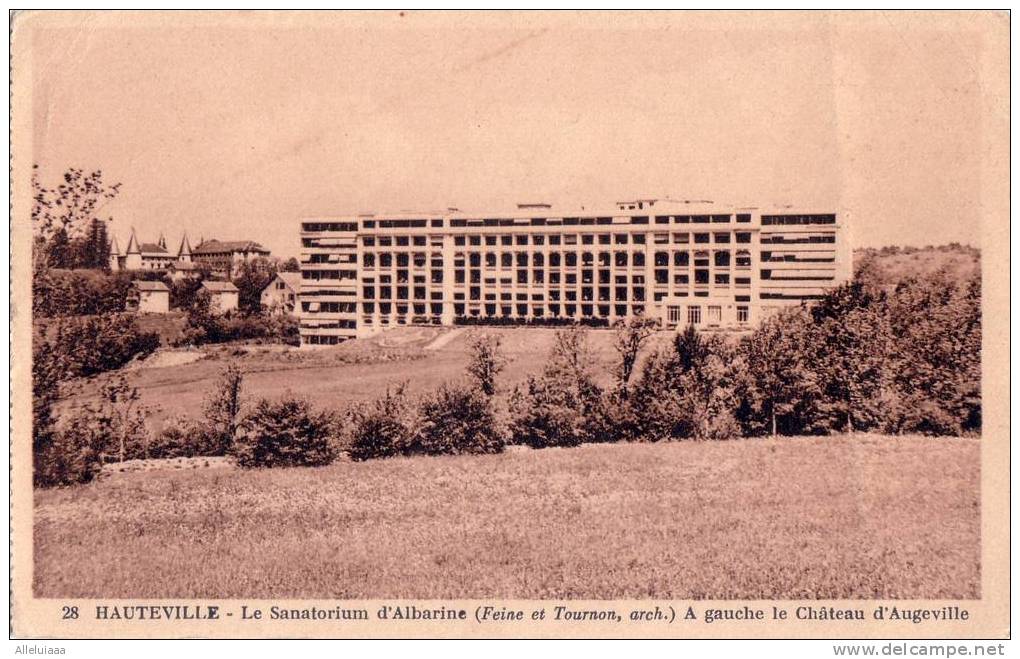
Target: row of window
x=523 y=277
x=769 y=220
x=798 y=240
x=769 y=257
x=555 y=310
x=721 y=258
x=328 y=307
x=316 y=275
x=329 y=226
x=553 y=221
x=585 y=239
x=327 y=325
x=713 y=315
x=319 y=340
x=586 y=292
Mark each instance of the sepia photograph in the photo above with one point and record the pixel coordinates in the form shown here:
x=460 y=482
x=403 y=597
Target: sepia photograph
x=360 y=317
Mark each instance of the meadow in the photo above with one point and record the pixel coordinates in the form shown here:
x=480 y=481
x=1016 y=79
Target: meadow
x=861 y=516
x=336 y=376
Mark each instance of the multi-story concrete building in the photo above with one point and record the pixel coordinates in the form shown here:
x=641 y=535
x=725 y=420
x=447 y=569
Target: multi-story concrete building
x=685 y=263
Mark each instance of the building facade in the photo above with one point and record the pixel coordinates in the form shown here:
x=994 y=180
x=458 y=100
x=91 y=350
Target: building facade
x=223 y=296
x=225 y=257
x=684 y=263
x=149 y=297
x=148 y=256
x=280 y=295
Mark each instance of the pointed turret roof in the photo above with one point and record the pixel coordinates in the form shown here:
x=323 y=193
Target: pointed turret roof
x=114 y=247
x=162 y=240
x=185 y=249
x=132 y=247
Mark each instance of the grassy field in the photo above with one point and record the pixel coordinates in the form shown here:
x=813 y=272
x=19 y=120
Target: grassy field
x=334 y=377
x=838 y=517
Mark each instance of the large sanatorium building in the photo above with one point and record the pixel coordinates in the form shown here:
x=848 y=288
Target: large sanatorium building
x=683 y=262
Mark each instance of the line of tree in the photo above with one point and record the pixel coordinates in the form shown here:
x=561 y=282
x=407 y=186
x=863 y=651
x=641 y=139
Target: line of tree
x=69 y=231
x=905 y=360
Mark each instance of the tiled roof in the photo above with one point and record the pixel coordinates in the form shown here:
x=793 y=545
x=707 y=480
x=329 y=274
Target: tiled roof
x=219 y=286
x=152 y=248
x=292 y=279
x=151 y=286
x=216 y=247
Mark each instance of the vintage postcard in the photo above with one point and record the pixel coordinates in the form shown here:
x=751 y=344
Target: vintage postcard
x=510 y=324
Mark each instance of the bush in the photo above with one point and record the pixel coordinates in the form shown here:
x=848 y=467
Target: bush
x=382 y=428
x=205 y=326
x=96 y=344
x=563 y=406
x=181 y=437
x=283 y=434
x=456 y=419
x=78 y=292
x=546 y=415
x=74 y=454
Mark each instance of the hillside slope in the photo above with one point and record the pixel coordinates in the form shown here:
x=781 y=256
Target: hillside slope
x=891 y=265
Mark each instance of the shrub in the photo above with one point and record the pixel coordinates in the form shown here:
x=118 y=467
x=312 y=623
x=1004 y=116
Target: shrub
x=72 y=455
x=78 y=292
x=46 y=377
x=545 y=414
x=382 y=428
x=688 y=391
x=181 y=437
x=456 y=419
x=563 y=406
x=205 y=326
x=283 y=434
x=91 y=345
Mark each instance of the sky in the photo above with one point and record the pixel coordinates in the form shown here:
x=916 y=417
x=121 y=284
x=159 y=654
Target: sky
x=235 y=126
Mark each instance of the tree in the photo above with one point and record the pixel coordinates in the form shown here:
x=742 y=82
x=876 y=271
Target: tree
x=223 y=409
x=631 y=336
x=65 y=213
x=287 y=433
x=119 y=412
x=779 y=384
x=851 y=344
x=252 y=278
x=46 y=371
x=936 y=326
x=564 y=405
x=486 y=361
x=384 y=427
x=688 y=391
x=456 y=419
x=95 y=250
x=290 y=265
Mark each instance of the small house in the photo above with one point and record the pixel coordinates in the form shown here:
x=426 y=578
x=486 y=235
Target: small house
x=281 y=293
x=149 y=297
x=183 y=269
x=222 y=296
